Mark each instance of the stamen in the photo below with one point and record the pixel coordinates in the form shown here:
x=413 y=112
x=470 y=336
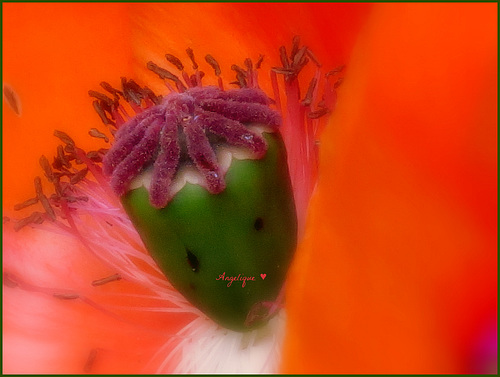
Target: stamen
x=283 y=71
x=249 y=65
x=102 y=114
x=47 y=207
x=338 y=82
x=164 y=74
x=44 y=163
x=96 y=156
x=318 y=114
x=313 y=57
x=259 y=61
x=151 y=96
x=34 y=218
x=190 y=53
x=94 y=132
x=335 y=71
x=66 y=296
x=175 y=61
x=308 y=98
x=12 y=99
x=87 y=368
x=115 y=92
x=241 y=75
x=62 y=157
x=297 y=60
x=64 y=137
x=295 y=46
x=130 y=93
x=213 y=63
x=38 y=186
x=25 y=204
x=284 y=57
x=78 y=176
x=102 y=97
x=106 y=280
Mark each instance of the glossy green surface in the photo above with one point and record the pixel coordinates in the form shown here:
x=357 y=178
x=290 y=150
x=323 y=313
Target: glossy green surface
x=249 y=229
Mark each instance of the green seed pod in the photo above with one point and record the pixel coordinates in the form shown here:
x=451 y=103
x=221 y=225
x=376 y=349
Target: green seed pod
x=227 y=253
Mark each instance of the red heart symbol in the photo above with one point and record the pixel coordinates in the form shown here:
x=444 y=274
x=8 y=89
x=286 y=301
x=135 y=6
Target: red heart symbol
x=263 y=276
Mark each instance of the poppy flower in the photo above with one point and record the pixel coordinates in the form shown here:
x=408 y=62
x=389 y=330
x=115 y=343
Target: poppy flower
x=395 y=271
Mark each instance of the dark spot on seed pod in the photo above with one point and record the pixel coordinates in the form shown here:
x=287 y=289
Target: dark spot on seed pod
x=193 y=261
x=258 y=224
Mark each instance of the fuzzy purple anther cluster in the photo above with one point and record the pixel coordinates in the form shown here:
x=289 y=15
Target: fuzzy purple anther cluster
x=181 y=128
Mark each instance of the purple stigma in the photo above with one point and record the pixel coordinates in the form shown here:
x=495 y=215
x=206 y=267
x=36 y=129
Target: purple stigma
x=197 y=121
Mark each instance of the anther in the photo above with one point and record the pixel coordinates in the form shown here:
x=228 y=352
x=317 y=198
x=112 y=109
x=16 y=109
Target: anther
x=283 y=71
x=12 y=99
x=106 y=280
x=44 y=163
x=248 y=63
x=25 y=204
x=241 y=76
x=62 y=157
x=284 y=57
x=335 y=71
x=238 y=69
x=102 y=97
x=164 y=74
x=259 y=61
x=66 y=296
x=64 y=137
x=100 y=111
x=175 y=61
x=295 y=46
x=151 y=95
x=338 y=83
x=94 y=132
x=35 y=217
x=38 y=186
x=78 y=176
x=313 y=57
x=43 y=199
x=318 y=113
x=301 y=64
x=298 y=59
x=110 y=89
x=242 y=82
x=94 y=156
x=308 y=98
x=131 y=94
x=47 y=207
x=190 y=53
x=87 y=368
x=213 y=63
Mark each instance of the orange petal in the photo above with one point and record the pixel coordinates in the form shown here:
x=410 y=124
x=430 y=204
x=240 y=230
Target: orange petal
x=46 y=335
x=52 y=55
x=397 y=273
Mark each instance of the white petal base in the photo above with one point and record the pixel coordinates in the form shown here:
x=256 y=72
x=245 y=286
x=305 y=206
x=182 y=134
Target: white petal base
x=207 y=348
